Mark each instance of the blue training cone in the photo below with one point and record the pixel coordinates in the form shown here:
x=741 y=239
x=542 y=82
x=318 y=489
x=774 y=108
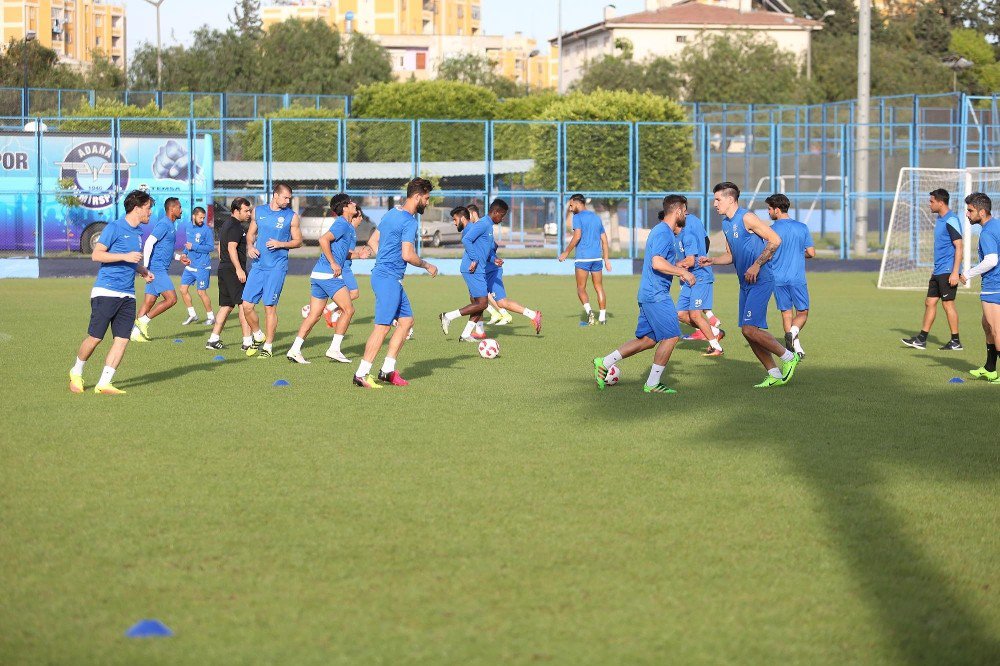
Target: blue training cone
x=281 y=382
x=956 y=380
x=148 y=629
x=219 y=358
x=176 y=340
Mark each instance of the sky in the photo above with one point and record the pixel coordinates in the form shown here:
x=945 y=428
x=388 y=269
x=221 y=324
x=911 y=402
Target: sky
x=534 y=18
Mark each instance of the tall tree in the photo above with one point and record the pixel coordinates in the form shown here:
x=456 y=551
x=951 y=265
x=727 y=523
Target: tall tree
x=245 y=18
x=741 y=68
x=656 y=75
x=478 y=70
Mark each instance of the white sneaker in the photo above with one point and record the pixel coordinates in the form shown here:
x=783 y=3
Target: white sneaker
x=210 y=321
x=297 y=358
x=409 y=336
x=467 y=338
x=190 y=320
x=445 y=323
x=337 y=356
x=335 y=317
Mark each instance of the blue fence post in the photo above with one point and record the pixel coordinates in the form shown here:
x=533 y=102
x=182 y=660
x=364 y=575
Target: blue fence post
x=846 y=141
x=706 y=173
x=633 y=182
x=342 y=153
x=415 y=147
x=266 y=145
x=488 y=133
x=561 y=183
x=39 y=217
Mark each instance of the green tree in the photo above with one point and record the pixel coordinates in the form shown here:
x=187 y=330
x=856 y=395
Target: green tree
x=984 y=77
x=477 y=70
x=931 y=29
x=245 y=18
x=294 y=139
x=133 y=120
x=44 y=68
x=656 y=75
x=731 y=68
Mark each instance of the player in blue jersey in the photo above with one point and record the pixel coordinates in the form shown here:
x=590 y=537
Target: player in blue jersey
x=395 y=243
x=331 y=314
x=790 y=291
x=591 y=245
x=494 y=275
x=750 y=245
x=274 y=230
x=338 y=246
x=477 y=241
x=695 y=300
x=979 y=210
x=943 y=286
x=658 y=324
x=199 y=243
x=112 y=300
x=158 y=253
x=498 y=316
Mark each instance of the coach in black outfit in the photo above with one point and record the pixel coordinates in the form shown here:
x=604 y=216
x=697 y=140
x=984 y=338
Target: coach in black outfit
x=232 y=271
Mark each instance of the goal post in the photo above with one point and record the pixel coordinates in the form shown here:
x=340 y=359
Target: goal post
x=908 y=257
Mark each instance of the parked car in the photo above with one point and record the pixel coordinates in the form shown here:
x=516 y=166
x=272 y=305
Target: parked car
x=437 y=234
x=314 y=221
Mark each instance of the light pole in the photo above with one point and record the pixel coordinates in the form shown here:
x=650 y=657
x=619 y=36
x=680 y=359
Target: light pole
x=956 y=64
x=159 y=52
x=861 y=118
x=527 y=70
x=29 y=37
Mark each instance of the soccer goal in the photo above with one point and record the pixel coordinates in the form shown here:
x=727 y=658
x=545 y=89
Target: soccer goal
x=909 y=243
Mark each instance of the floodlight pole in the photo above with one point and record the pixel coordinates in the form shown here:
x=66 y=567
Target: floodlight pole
x=861 y=120
x=29 y=37
x=159 y=49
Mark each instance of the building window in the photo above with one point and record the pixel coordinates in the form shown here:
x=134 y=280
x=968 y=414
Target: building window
x=681 y=39
x=475 y=12
x=98 y=41
x=98 y=21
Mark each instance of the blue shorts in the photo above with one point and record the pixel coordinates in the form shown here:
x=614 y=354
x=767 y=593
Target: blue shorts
x=658 y=321
x=264 y=285
x=391 y=302
x=990 y=298
x=347 y=275
x=788 y=296
x=113 y=311
x=476 y=282
x=494 y=283
x=590 y=266
x=326 y=288
x=201 y=277
x=161 y=282
x=698 y=297
x=753 y=304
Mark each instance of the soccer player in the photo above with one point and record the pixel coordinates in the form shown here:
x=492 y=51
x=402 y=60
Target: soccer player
x=232 y=272
x=498 y=316
x=695 y=299
x=112 y=300
x=494 y=276
x=337 y=246
x=395 y=243
x=750 y=246
x=477 y=239
x=198 y=266
x=979 y=209
x=658 y=325
x=274 y=230
x=945 y=277
x=331 y=314
x=158 y=253
x=591 y=245
x=789 y=265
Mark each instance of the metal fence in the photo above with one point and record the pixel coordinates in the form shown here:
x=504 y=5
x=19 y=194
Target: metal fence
x=624 y=167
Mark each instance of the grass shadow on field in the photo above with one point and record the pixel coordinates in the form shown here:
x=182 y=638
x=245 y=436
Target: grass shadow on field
x=172 y=373
x=950 y=360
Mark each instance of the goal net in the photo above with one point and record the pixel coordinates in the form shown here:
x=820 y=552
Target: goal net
x=908 y=258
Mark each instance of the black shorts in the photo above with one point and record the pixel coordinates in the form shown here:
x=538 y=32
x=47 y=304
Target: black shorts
x=230 y=287
x=114 y=311
x=939 y=288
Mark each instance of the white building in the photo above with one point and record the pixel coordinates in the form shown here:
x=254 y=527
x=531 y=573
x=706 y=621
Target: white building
x=667 y=26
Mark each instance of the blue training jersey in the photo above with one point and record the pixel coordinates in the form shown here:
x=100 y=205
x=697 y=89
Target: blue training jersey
x=397 y=227
x=789 y=263
x=272 y=225
x=654 y=286
x=165 y=233
x=989 y=243
x=591 y=228
x=477 y=239
x=745 y=246
x=344 y=235
x=947 y=230
x=691 y=242
x=202 y=241
x=491 y=259
x=120 y=238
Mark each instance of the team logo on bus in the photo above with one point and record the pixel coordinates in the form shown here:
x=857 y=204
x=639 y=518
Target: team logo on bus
x=91 y=167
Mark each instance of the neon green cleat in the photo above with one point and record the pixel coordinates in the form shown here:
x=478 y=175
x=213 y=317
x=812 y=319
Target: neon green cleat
x=983 y=373
x=995 y=379
x=75 y=383
x=137 y=336
x=659 y=388
x=143 y=328
x=600 y=372
x=788 y=369
x=108 y=389
x=768 y=382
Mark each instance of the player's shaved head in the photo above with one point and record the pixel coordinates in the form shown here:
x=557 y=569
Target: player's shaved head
x=727 y=189
x=281 y=188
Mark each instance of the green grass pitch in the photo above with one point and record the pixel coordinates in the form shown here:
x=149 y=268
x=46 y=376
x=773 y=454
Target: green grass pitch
x=500 y=511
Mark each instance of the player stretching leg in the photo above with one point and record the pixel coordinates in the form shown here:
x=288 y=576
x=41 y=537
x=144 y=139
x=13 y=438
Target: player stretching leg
x=395 y=243
x=658 y=325
x=477 y=239
x=112 y=300
x=494 y=275
x=978 y=208
x=791 y=293
x=591 y=245
x=158 y=252
x=274 y=230
x=198 y=271
x=694 y=299
x=750 y=245
x=232 y=272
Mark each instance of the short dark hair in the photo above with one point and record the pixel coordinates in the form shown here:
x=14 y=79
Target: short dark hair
x=418 y=186
x=728 y=188
x=672 y=201
x=198 y=209
x=360 y=212
x=499 y=204
x=779 y=201
x=281 y=187
x=579 y=197
x=660 y=215
x=338 y=202
x=238 y=203
x=136 y=199
x=980 y=201
x=941 y=195
x=170 y=202
x=461 y=211
x=473 y=208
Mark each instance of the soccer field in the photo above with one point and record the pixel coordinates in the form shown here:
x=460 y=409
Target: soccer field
x=501 y=510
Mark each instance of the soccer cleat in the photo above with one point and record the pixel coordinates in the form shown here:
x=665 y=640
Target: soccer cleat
x=143 y=328
x=952 y=345
x=75 y=383
x=788 y=369
x=265 y=353
x=983 y=373
x=210 y=321
x=590 y=318
x=995 y=379
x=801 y=355
x=215 y=345
x=537 y=321
x=600 y=372
x=476 y=335
x=328 y=317
x=788 y=340
x=505 y=319
x=337 y=356
x=245 y=348
x=467 y=338
x=602 y=322
x=393 y=378
x=445 y=323
x=366 y=382
x=137 y=336
x=722 y=334
x=768 y=382
x=409 y=336
x=190 y=320
x=915 y=342
x=294 y=358
x=659 y=388
x=712 y=351
x=108 y=389
x=697 y=335
x=250 y=351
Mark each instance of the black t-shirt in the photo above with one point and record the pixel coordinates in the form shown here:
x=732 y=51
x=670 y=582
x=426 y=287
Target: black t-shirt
x=234 y=232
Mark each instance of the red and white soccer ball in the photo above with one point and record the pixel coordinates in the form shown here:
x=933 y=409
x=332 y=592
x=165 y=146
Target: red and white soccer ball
x=613 y=377
x=489 y=348
x=305 y=311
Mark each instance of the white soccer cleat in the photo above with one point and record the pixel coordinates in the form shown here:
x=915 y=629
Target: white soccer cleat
x=210 y=321
x=190 y=320
x=409 y=336
x=137 y=335
x=468 y=338
x=338 y=357
x=445 y=323
x=297 y=358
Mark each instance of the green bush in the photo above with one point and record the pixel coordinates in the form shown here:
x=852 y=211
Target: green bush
x=297 y=135
x=144 y=120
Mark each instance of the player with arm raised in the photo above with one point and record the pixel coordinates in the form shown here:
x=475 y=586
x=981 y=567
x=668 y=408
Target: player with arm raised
x=197 y=259
x=979 y=210
x=158 y=252
x=232 y=272
x=591 y=245
x=750 y=246
x=695 y=299
x=477 y=241
x=791 y=293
